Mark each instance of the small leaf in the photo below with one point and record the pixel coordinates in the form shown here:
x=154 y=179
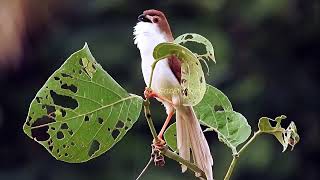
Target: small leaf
x=193 y=85
x=286 y=137
x=215 y=112
x=81 y=112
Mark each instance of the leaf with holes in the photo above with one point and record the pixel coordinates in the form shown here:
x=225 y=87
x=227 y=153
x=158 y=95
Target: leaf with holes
x=81 y=112
x=215 y=111
x=286 y=137
x=193 y=85
x=192 y=37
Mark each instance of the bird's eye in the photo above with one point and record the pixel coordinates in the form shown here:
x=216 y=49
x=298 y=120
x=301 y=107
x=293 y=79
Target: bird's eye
x=155 y=20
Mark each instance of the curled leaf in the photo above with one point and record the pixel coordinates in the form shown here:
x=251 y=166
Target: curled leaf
x=286 y=137
x=193 y=84
x=192 y=37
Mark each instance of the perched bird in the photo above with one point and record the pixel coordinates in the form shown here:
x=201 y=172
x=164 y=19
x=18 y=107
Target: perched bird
x=152 y=29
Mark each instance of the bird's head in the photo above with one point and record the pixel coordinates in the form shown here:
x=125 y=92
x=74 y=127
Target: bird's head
x=152 y=23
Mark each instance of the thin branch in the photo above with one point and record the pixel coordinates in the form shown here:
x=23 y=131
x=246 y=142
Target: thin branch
x=144 y=169
x=170 y=154
x=147 y=114
x=236 y=156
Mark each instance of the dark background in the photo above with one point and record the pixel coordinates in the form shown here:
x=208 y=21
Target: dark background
x=267 y=55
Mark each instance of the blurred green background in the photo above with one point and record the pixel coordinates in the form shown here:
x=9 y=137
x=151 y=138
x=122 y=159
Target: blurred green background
x=267 y=55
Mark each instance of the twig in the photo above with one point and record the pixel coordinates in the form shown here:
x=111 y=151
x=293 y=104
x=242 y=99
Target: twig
x=236 y=156
x=144 y=169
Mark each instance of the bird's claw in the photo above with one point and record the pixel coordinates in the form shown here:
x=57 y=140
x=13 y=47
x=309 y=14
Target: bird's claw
x=148 y=93
x=157 y=146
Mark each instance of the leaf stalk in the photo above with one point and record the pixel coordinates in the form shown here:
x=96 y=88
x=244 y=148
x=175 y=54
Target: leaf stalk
x=237 y=155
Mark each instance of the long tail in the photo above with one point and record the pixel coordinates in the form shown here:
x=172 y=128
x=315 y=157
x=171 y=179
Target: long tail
x=190 y=136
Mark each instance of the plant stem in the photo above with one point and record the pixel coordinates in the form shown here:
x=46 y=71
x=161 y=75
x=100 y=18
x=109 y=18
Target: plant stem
x=231 y=167
x=236 y=156
x=147 y=114
x=144 y=169
x=168 y=153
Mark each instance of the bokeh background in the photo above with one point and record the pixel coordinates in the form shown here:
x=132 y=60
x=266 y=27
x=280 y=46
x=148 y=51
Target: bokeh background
x=267 y=55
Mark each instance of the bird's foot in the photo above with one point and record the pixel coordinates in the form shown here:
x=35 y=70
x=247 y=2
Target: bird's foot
x=149 y=93
x=157 y=146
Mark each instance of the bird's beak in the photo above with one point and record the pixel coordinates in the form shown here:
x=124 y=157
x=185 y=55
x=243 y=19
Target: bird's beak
x=143 y=18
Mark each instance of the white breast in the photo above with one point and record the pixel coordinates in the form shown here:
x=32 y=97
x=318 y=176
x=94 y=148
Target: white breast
x=147 y=37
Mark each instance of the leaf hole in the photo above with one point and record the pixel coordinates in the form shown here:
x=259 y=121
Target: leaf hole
x=218 y=108
x=115 y=133
x=119 y=124
x=41 y=133
x=70 y=132
x=50 y=148
x=94 y=147
x=72 y=87
x=64 y=101
x=229 y=119
x=50 y=109
x=196 y=47
x=100 y=120
x=63 y=112
x=38 y=99
x=60 y=135
x=66 y=155
x=66 y=75
x=64 y=126
x=72 y=143
x=56 y=78
x=86 y=118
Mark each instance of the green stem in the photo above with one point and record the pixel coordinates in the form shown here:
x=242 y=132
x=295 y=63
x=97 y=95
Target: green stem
x=236 y=156
x=152 y=70
x=168 y=153
x=147 y=114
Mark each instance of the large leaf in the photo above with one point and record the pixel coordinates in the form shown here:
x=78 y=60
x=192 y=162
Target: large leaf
x=193 y=85
x=81 y=112
x=286 y=137
x=215 y=112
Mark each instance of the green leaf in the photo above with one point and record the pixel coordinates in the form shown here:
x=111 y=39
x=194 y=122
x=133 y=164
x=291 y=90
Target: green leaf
x=81 y=112
x=286 y=137
x=192 y=37
x=193 y=85
x=215 y=111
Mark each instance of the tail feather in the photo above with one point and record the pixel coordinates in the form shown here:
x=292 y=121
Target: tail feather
x=190 y=135
x=183 y=142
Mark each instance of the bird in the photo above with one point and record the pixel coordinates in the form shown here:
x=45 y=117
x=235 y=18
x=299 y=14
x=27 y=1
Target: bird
x=152 y=29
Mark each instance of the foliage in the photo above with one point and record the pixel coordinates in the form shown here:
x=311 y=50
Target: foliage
x=81 y=112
